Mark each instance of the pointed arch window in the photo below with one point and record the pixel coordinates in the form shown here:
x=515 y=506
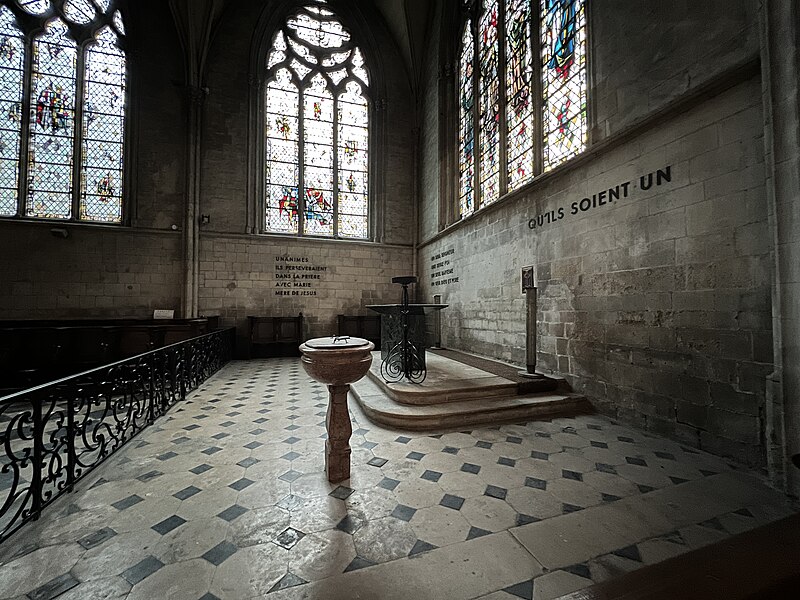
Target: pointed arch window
x=529 y=112
x=316 y=163
x=63 y=82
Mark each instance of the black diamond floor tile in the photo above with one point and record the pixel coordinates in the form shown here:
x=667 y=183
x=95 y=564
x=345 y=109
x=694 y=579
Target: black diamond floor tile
x=289 y=537
x=127 y=502
x=358 y=563
x=342 y=492
x=187 y=492
x=429 y=475
x=420 y=547
x=450 y=501
x=494 y=491
x=241 y=484
x=232 y=513
x=534 y=482
x=149 y=475
x=54 y=587
x=220 y=553
x=403 y=512
x=98 y=537
x=168 y=524
x=388 y=484
x=142 y=570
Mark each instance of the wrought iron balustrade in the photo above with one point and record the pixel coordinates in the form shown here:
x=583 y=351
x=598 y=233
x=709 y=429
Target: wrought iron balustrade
x=54 y=434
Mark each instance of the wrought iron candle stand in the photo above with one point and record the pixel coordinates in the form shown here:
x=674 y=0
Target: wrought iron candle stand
x=404 y=359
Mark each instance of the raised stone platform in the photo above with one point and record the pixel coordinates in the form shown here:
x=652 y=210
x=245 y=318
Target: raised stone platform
x=455 y=394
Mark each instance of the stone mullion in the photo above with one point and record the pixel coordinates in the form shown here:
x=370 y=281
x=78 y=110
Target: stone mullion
x=77 y=134
x=537 y=88
x=335 y=151
x=25 y=128
x=301 y=161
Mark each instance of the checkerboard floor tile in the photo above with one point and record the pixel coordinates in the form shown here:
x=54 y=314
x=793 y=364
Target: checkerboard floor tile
x=238 y=512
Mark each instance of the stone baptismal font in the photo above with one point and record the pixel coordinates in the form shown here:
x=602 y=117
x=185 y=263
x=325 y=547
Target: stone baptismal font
x=337 y=362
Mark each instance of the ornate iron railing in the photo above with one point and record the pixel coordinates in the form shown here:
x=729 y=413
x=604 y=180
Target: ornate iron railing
x=52 y=435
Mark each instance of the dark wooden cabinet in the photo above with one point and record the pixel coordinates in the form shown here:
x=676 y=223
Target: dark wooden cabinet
x=275 y=336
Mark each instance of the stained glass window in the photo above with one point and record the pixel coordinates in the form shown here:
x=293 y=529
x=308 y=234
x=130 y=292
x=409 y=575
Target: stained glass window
x=563 y=79
x=12 y=62
x=489 y=105
x=103 y=130
x=317 y=130
x=72 y=111
x=519 y=109
x=51 y=137
x=511 y=118
x=466 y=130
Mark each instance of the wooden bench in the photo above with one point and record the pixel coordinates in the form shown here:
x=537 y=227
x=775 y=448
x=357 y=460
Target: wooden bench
x=37 y=351
x=275 y=336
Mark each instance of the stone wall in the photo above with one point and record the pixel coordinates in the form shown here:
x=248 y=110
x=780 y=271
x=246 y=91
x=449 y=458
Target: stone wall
x=116 y=271
x=656 y=303
x=262 y=275
x=646 y=54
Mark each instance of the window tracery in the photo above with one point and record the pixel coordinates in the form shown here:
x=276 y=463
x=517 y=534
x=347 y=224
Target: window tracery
x=317 y=129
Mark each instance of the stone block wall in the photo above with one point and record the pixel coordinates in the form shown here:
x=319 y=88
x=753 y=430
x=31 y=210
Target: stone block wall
x=646 y=54
x=92 y=273
x=654 y=296
x=266 y=276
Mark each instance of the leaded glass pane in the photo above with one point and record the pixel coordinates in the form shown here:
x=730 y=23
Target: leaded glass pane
x=300 y=69
x=336 y=58
x=102 y=4
x=358 y=67
x=79 y=11
x=353 y=140
x=519 y=77
x=563 y=79
x=52 y=126
x=118 y=23
x=12 y=62
x=318 y=157
x=103 y=130
x=324 y=34
x=489 y=105
x=35 y=7
x=282 y=173
x=466 y=124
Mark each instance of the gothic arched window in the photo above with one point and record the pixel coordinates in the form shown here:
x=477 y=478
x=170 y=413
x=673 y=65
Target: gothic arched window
x=62 y=109
x=529 y=114
x=317 y=129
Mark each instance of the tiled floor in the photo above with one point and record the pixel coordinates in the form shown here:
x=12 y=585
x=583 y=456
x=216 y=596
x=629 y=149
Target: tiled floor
x=226 y=498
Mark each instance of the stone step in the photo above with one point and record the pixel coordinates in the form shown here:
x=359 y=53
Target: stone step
x=380 y=408
x=447 y=381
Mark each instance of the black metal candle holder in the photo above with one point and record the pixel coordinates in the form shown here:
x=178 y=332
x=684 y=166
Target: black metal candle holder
x=403 y=359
